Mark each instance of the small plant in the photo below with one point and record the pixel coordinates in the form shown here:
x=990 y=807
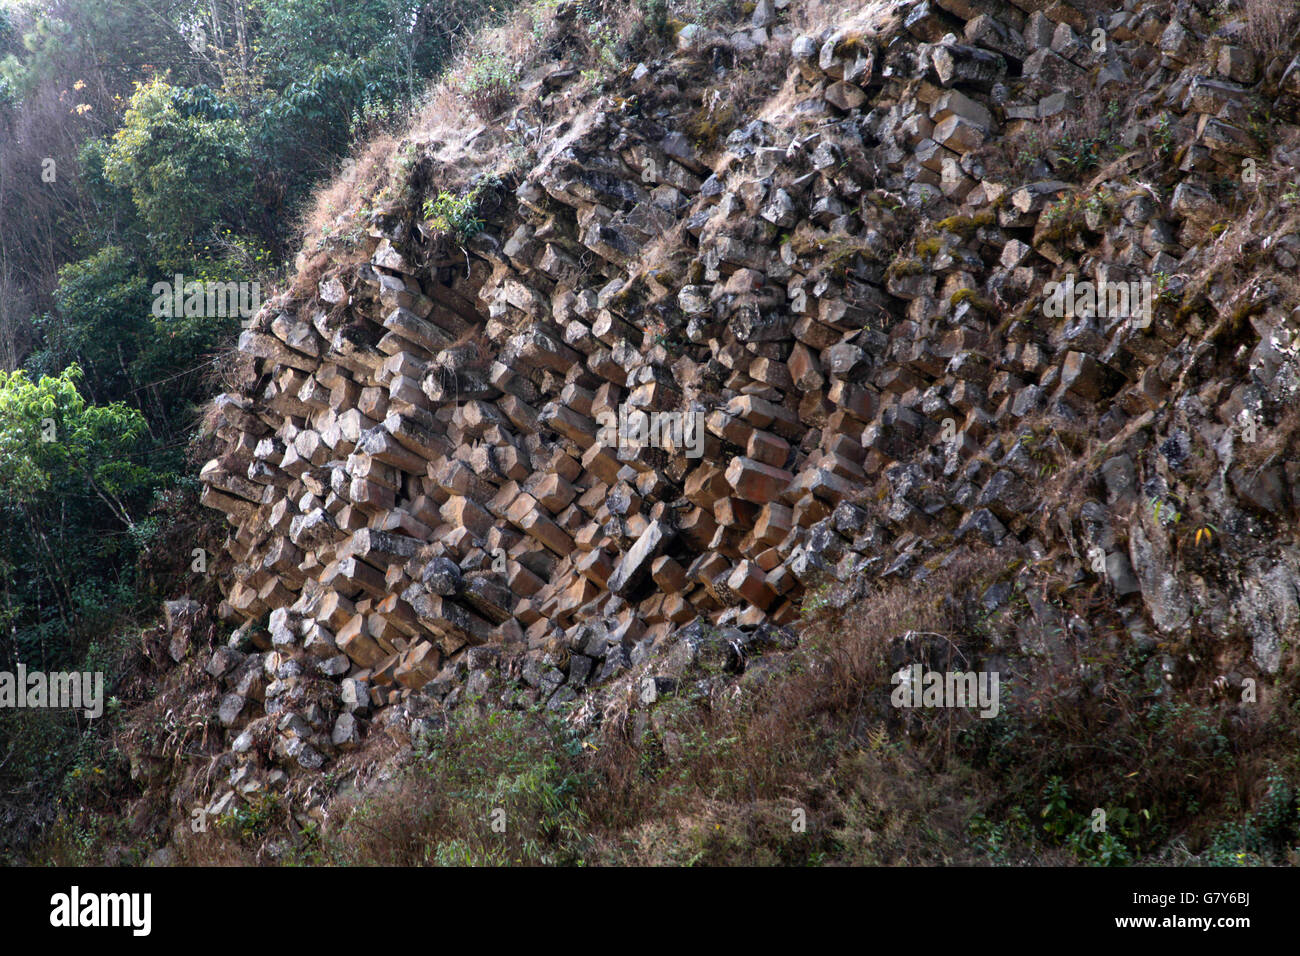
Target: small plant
x=457 y=215
x=488 y=85
x=1162 y=515
x=658 y=332
x=1079 y=155
x=1263 y=836
x=655 y=13
x=815 y=600
x=1031 y=152
x=603 y=42
x=1100 y=204
x=253 y=821
x=1163 y=292
x=1164 y=136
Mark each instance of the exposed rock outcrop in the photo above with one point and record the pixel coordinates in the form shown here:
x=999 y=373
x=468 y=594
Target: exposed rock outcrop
x=674 y=384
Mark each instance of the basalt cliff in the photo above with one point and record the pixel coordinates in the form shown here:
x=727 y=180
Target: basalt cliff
x=987 y=302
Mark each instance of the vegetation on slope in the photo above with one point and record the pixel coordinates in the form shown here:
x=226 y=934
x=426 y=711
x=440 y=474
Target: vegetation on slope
x=802 y=766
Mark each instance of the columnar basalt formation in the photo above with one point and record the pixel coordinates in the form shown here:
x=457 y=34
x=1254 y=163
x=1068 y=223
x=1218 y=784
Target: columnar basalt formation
x=847 y=291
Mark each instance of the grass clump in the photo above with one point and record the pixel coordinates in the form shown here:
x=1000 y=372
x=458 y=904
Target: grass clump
x=488 y=85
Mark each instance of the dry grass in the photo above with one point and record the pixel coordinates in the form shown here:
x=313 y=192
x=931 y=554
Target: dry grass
x=471 y=350
x=712 y=779
x=717 y=776
x=366 y=173
x=1269 y=32
x=872 y=17
x=1277 y=443
x=441 y=126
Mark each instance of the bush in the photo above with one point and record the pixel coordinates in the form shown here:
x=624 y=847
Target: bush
x=456 y=216
x=488 y=85
x=495 y=789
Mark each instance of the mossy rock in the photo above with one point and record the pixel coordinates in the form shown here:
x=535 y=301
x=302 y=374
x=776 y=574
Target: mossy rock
x=974 y=298
x=966 y=226
x=903 y=266
x=929 y=247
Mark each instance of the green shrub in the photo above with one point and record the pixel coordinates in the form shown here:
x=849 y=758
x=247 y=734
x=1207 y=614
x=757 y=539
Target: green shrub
x=488 y=85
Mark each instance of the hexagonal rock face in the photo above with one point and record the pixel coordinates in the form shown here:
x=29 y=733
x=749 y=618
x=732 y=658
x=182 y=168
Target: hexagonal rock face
x=1007 y=496
x=428 y=503
x=634 y=568
x=442 y=576
x=754 y=481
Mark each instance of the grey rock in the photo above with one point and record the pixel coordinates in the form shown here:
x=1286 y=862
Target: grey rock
x=442 y=576
x=230 y=709
x=1165 y=598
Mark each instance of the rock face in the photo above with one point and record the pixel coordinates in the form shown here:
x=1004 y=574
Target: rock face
x=645 y=396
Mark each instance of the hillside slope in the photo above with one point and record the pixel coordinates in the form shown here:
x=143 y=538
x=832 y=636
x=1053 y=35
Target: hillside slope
x=866 y=260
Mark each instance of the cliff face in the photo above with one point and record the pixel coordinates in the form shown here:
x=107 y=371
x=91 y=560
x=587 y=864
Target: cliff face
x=1010 y=278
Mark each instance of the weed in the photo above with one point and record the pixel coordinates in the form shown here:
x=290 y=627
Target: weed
x=488 y=85
x=457 y=216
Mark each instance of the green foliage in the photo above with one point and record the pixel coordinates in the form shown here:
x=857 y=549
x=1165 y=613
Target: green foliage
x=457 y=216
x=101 y=321
x=252 y=820
x=112 y=219
x=402 y=42
x=73 y=478
x=1084 y=149
x=187 y=160
x=998 y=838
x=655 y=13
x=1264 y=836
x=1163 y=136
x=334 y=71
x=80 y=38
x=1090 y=843
x=51 y=440
x=488 y=85
x=1031 y=152
x=815 y=600
x=493 y=789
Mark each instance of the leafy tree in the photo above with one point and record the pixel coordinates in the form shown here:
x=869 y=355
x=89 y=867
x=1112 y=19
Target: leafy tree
x=179 y=137
x=51 y=440
x=186 y=158
x=74 y=477
x=101 y=320
x=106 y=46
x=107 y=213
x=298 y=36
